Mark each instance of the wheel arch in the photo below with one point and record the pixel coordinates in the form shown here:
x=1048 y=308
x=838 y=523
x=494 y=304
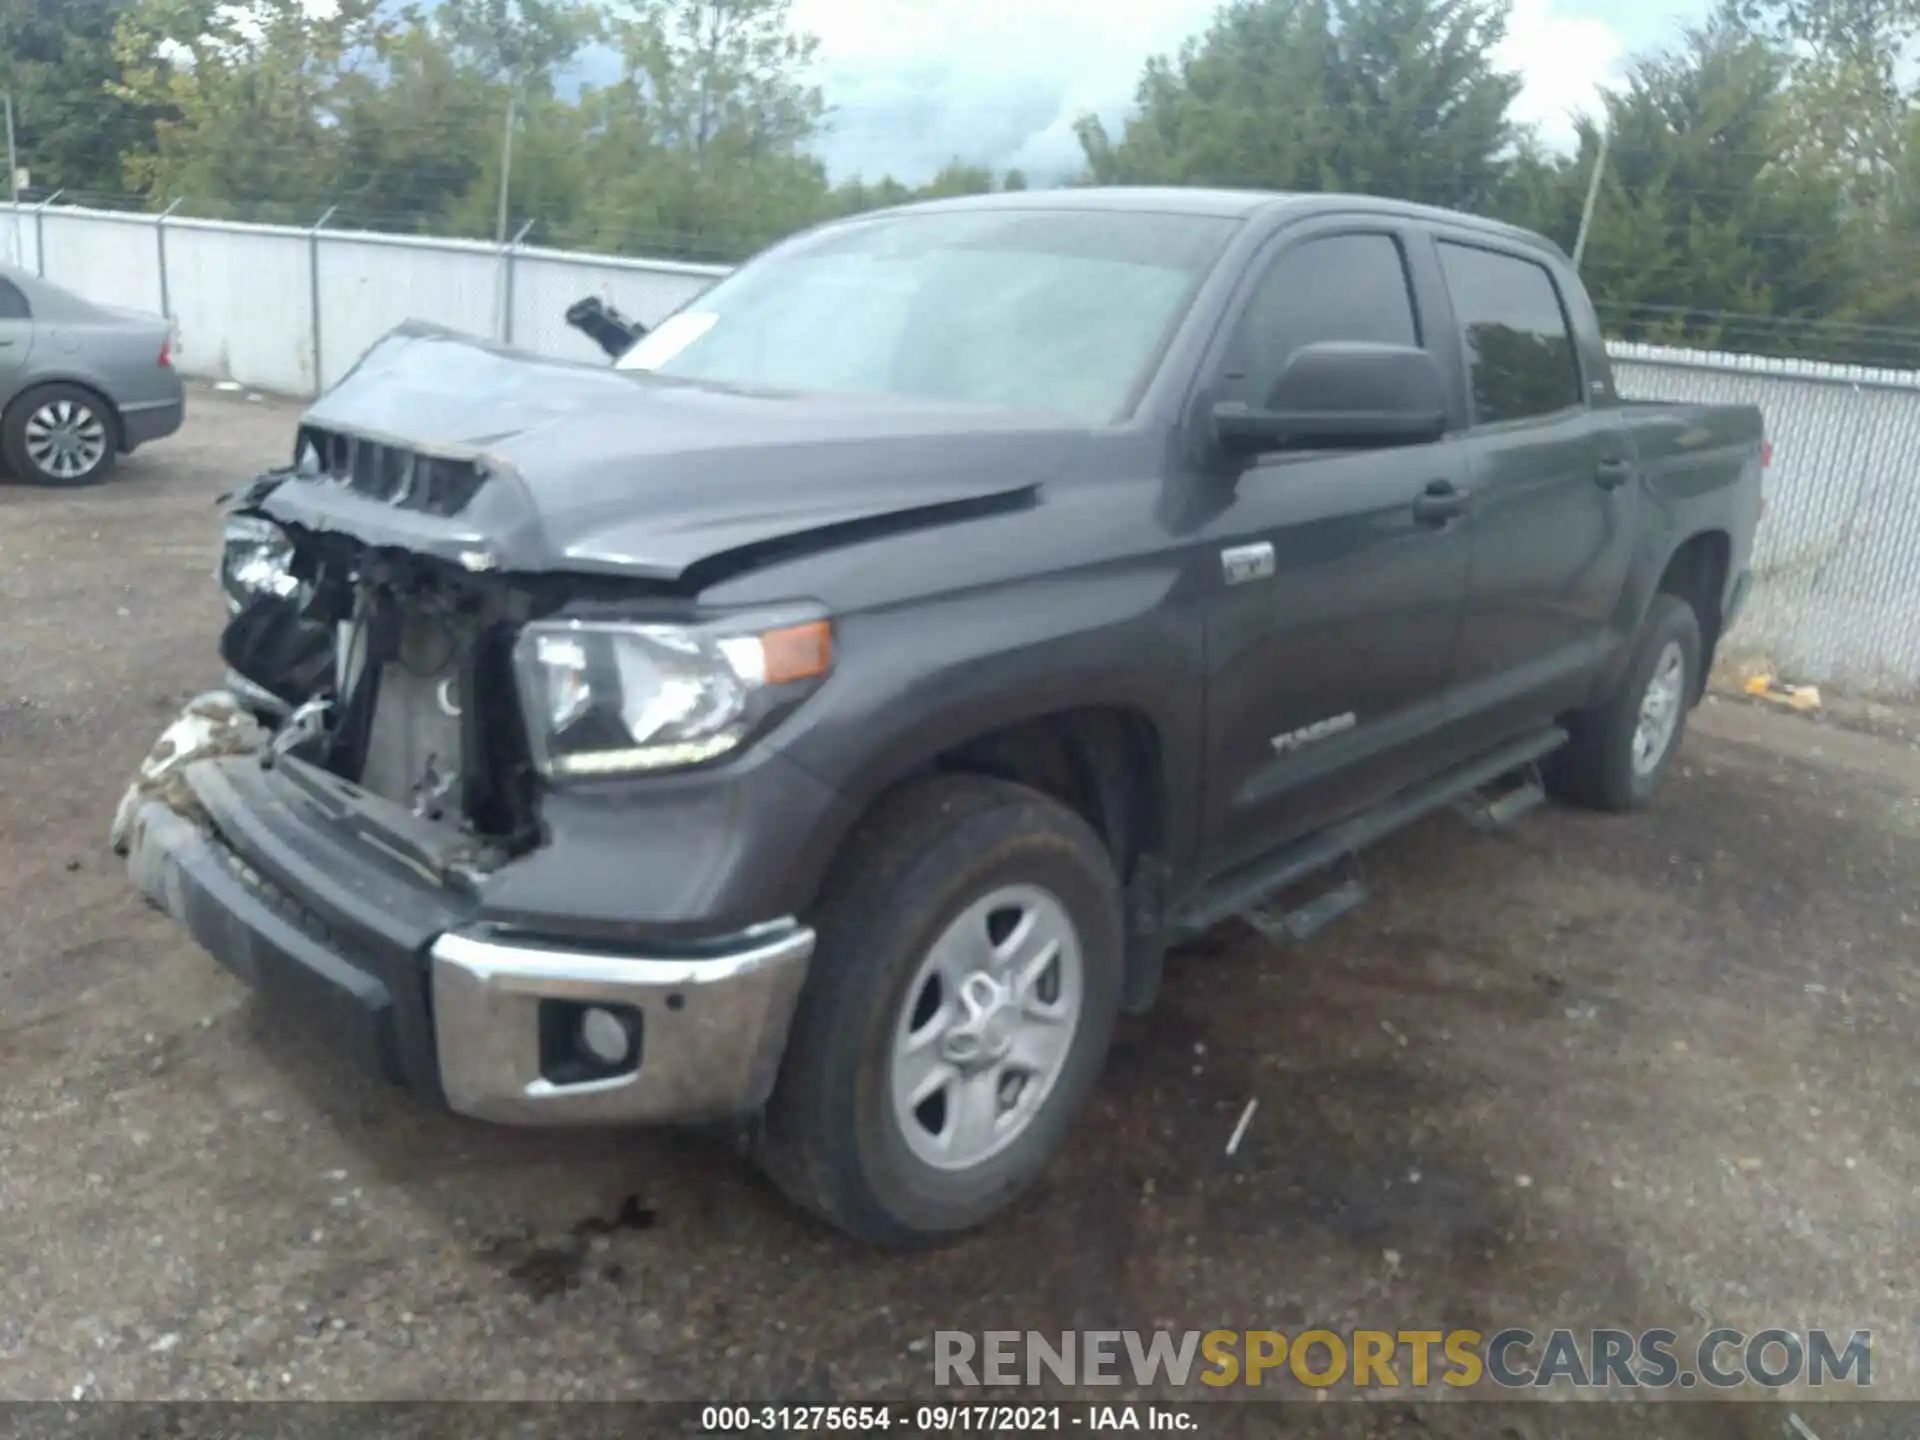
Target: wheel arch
x=1696 y=572
x=1112 y=764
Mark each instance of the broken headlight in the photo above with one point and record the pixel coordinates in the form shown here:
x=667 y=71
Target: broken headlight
x=620 y=698
x=256 y=558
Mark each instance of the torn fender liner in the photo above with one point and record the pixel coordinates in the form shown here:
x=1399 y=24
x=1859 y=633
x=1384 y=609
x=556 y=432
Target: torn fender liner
x=211 y=724
x=588 y=469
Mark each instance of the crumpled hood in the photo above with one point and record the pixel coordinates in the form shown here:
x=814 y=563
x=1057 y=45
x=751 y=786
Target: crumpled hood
x=585 y=468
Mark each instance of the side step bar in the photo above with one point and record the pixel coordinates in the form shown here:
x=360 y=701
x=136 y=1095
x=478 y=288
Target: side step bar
x=1305 y=921
x=1241 y=892
x=1495 y=810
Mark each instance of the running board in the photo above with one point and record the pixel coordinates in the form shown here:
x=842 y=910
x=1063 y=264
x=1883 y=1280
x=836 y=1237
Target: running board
x=1497 y=809
x=1303 y=922
x=1242 y=892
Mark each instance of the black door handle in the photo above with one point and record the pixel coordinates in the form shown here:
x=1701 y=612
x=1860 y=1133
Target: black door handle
x=1440 y=503
x=1612 y=474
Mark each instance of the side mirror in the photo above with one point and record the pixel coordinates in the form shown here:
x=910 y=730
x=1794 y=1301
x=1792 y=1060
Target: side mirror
x=1341 y=394
x=604 y=325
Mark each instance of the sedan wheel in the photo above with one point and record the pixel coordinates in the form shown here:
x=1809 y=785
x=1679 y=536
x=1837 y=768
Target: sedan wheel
x=65 y=439
x=59 y=435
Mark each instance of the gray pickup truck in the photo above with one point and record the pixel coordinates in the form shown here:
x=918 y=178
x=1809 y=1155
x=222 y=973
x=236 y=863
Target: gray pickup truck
x=827 y=715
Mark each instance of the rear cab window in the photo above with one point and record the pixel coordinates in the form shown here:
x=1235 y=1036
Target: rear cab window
x=13 y=304
x=1343 y=287
x=1520 y=353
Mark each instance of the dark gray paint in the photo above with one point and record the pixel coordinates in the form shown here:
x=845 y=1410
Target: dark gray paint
x=1080 y=568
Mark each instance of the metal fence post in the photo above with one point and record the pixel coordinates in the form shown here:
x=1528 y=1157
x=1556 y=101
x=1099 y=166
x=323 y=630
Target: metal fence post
x=313 y=291
x=40 y=234
x=506 y=284
x=160 y=246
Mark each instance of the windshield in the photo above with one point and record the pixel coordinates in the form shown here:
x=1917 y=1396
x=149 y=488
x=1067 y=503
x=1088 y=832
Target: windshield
x=1049 y=309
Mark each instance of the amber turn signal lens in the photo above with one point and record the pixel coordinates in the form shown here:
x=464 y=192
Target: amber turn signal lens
x=798 y=652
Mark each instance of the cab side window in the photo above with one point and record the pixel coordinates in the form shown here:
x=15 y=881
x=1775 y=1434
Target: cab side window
x=13 y=305
x=1336 y=287
x=1520 y=355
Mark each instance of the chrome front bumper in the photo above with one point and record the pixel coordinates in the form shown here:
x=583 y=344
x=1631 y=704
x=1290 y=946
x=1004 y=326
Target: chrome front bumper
x=710 y=1034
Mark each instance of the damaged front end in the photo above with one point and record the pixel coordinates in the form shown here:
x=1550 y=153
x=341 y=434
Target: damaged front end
x=386 y=668
x=493 y=789
x=365 y=822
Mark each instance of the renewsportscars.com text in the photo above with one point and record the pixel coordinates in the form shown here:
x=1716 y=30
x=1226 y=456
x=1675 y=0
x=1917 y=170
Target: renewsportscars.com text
x=1508 y=1359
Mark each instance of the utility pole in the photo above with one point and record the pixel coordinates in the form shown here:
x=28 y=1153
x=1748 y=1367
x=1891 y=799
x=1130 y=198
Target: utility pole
x=506 y=165
x=1593 y=195
x=13 y=178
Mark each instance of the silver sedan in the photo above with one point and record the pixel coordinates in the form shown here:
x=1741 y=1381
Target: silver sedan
x=80 y=384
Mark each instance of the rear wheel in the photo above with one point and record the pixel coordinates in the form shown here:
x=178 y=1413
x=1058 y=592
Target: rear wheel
x=958 y=1012
x=59 y=435
x=1619 y=751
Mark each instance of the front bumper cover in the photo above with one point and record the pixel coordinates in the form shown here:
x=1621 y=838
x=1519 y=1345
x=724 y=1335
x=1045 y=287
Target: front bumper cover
x=285 y=882
x=711 y=1034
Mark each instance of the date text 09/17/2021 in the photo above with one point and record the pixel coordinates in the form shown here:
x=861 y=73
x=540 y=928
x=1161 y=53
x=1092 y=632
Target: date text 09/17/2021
x=942 y=1419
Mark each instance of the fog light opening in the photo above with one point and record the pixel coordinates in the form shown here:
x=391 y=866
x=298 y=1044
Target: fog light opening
x=604 y=1037
x=582 y=1042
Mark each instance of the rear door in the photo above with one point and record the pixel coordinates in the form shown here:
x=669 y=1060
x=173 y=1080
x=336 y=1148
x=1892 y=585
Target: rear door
x=1553 y=503
x=1330 y=632
x=16 y=338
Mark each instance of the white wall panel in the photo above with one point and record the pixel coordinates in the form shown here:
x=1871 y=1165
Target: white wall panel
x=109 y=257
x=370 y=284
x=18 y=241
x=242 y=304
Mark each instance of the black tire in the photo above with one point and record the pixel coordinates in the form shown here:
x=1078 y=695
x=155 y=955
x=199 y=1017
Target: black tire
x=88 y=410
x=830 y=1138
x=1597 y=767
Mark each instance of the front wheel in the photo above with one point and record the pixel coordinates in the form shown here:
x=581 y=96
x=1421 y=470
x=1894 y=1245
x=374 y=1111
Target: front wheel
x=1619 y=751
x=957 y=1015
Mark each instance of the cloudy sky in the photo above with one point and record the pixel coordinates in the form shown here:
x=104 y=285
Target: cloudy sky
x=915 y=82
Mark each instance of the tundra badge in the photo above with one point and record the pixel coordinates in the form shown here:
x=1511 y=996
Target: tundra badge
x=1242 y=563
x=1307 y=734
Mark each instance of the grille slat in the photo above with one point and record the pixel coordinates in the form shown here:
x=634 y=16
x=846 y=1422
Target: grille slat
x=404 y=478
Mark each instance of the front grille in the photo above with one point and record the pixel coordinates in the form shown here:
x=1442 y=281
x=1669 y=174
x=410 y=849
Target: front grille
x=401 y=477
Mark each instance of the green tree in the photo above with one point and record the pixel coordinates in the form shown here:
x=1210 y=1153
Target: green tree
x=1705 y=232
x=245 y=96
x=57 y=60
x=415 y=134
x=702 y=145
x=515 y=41
x=1396 y=97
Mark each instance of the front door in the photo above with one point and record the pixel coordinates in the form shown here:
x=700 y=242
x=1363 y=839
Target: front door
x=1331 y=634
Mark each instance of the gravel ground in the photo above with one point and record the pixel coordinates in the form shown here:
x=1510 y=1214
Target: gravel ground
x=1588 y=1071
